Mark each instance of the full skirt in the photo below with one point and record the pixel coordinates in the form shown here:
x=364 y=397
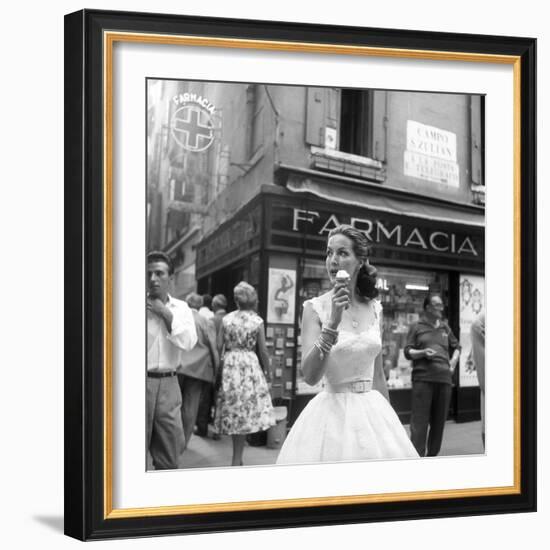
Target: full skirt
x=243 y=403
x=346 y=426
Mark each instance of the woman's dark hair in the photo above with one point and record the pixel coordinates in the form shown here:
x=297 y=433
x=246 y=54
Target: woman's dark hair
x=366 y=278
x=207 y=301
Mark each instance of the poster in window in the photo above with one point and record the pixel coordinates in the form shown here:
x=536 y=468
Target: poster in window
x=472 y=304
x=281 y=296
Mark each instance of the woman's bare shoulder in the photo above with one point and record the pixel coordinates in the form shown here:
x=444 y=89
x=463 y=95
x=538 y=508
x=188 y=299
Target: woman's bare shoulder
x=318 y=307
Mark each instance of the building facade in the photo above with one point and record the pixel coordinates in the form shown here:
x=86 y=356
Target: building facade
x=253 y=192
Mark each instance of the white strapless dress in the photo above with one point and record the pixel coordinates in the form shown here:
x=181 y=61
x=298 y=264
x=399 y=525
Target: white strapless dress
x=344 y=422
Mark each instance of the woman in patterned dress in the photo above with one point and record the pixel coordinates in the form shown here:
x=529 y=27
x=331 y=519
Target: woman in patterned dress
x=243 y=402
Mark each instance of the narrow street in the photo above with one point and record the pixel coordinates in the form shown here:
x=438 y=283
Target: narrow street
x=203 y=452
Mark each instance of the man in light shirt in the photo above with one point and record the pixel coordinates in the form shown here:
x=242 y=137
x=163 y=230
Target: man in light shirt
x=170 y=329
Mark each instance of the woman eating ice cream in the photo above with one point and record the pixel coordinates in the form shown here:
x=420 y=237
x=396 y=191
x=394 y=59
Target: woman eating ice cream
x=351 y=419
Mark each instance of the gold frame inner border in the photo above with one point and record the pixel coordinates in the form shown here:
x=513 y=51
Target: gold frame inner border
x=109 y=40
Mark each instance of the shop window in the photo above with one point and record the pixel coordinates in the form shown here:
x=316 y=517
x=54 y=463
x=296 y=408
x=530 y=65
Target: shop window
x=402 y=293
x=472 y=305
x=315 y=281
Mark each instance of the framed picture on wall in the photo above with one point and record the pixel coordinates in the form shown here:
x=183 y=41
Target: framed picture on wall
x=220 y=178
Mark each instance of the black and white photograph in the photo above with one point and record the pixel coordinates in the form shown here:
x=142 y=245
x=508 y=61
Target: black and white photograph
x=315 y=285
x=250 y=220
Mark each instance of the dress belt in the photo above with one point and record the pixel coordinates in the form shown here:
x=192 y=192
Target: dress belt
x=357 y=386
x=161 y=374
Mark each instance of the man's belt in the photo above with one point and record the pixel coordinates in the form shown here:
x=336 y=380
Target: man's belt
x=161 y=374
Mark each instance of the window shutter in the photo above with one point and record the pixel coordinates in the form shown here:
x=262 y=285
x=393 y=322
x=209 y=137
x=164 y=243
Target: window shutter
x=332 y=110
x=475 y=140
x=379 y=125
x=315 y=116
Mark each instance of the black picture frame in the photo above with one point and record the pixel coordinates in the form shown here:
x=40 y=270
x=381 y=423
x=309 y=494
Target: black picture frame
x=87 y=514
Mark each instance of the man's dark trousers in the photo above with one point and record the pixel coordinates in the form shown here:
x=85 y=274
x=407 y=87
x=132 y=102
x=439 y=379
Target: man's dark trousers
x=430 y=406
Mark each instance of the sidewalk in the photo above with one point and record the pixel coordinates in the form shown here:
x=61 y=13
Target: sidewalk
x=204 y=452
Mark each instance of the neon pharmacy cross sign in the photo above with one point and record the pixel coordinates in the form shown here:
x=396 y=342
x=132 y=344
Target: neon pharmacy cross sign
x=192 y=128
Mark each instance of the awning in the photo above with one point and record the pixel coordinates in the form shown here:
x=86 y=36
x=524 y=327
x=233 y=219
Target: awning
x=375 y=197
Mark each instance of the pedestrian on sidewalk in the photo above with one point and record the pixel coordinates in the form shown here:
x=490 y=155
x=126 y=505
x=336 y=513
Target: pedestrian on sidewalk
x=477 y=332
x=351 y=418
x=198 y=368
x=205 y=416
x=219 y=307
x=170 y=329
x=434 y=351
x=243 y=404
x=206 y=309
